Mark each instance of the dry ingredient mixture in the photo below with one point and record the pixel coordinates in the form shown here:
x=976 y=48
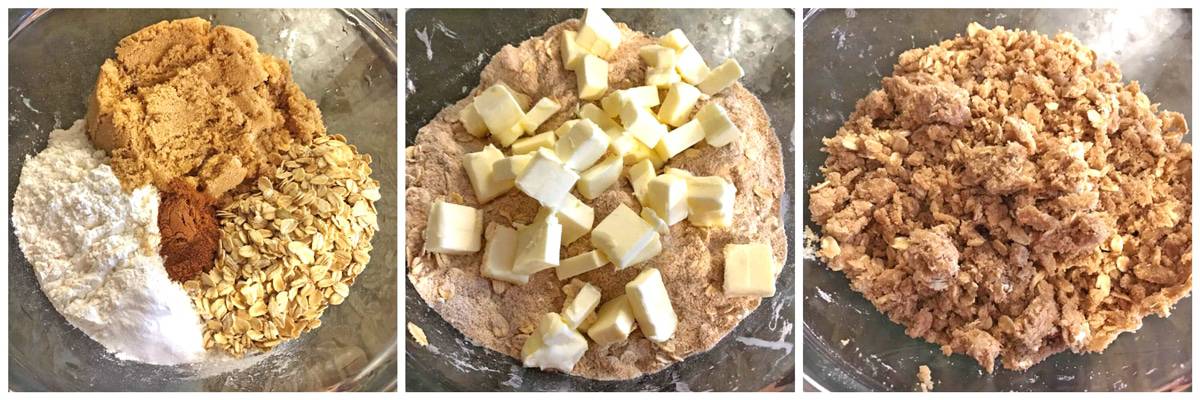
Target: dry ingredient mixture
x=1005 y=195
x=500 y=316
x=94 y=250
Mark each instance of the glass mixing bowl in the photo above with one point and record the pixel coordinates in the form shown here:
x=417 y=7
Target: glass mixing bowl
x=343 y=59
x=848 y=344
x=446 y=51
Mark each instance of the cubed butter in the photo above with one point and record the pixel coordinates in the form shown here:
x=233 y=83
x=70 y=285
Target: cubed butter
x=453 y=229
x=675 y=39
x=592 y=77
x=522 y=99
x=652 y=249
x=508 y=137
x=566 y=126
x=571 y=53
x=622 y=236
x=575 y=217
x=584 y=303
x=749 y=270
x=643 y=125
x=643 y=96
x=656 y=56
x=614 y=322
x=480 y=172
x=654 y=220
x=719 y=130
x=582 y=146
x=546 y=179
x=666 y=194
x=651 y=305
x=509 y=168
x=580 y=264
x=640 y=175
x=553 y=345
x=499 y=109
x=544 y=140
x=691 y=66
x=499 y=255
x=721 y=77
x=680 y=139
x=710 y=201
x=542 y=111
x=612 y=102
x=592 y=113
x=626 y=147
x=472 y=121
x=597 y=179
x=677 y=106
x=662 y=77
x=537 y=246
x=599 y=35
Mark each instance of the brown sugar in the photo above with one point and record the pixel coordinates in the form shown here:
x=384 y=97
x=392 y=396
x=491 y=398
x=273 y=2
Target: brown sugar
x=185 y=100
x=1006 y=195
x=190 y=235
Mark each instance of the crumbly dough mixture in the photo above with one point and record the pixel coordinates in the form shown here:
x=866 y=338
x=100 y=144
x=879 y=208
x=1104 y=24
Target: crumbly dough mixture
x=184 y=100
x=500 y=316
x=1005 y=195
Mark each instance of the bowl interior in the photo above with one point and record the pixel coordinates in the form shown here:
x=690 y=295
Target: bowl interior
x=849 y=345
x=447 y=50
x=344 y=60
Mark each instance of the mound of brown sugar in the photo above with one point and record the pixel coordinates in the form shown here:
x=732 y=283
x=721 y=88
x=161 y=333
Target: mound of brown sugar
x=190 y=235
x=1005 y=195
x=184 y=100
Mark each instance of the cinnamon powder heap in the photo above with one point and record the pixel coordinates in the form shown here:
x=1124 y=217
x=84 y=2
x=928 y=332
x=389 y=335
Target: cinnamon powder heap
x=190 y=236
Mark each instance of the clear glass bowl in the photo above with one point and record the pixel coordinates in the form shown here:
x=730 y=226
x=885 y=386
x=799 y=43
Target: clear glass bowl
x=343 y=59
x=460 y=43
x=846 y=53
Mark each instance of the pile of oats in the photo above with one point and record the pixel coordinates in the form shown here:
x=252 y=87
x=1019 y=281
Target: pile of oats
x=289 y=248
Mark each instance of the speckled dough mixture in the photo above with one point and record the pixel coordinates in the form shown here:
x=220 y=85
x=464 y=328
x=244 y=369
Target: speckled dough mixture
x=1006 y=195
x=498 y=315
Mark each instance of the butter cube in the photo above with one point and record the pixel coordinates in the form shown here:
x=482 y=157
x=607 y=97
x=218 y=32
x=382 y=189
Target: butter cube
x=675 y=39
x=721 y=77
x=629 y=149
x=642 y=124
x=575 y=217
x=580 y=264
x=500 y=254
x=622 y=236
x=719 y=130
x=666 y=194
x=691 y=66
x=592 y=77
x=652 y=249
x=546 y=179
x=614 y=322
x=571 y=53
x=654 y=220
x=582 y=146
x=597 y=179
x=453 y=229
x=643 y=96
x=613 y=101
x=710 y=201
x=537 y=246
x=506 y=138
x=480 y=172
x=578 y=308
x=472 y=121
x=544 y=140
x=566 y=126
x=640 y=175
x=542 y=111
x=678 y=104
x=749 y=270
x=592 y=113
x=523 y=100
x=657 y=56
x=499 y=109
x=509 y=168
x=652 y=305
x=553 y=345
x=599 y=35
x=662 y=77
x=680 y=139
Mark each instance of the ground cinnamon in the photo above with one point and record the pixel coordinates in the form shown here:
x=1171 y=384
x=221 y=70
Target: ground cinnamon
x=190 y=235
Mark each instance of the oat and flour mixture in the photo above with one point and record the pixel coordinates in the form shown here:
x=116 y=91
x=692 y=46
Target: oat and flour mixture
x=1006 y=195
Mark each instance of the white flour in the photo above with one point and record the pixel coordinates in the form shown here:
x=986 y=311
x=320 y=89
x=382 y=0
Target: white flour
x=94 y=249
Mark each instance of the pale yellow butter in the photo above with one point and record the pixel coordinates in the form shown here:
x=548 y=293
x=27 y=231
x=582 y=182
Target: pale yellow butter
x=749 y=270
x=453 y=229
x=651 y=305
x=580 y=264
x=721 y=77
x=677 y=106
x=680 y=139
x=480 y=172
x=614 y=322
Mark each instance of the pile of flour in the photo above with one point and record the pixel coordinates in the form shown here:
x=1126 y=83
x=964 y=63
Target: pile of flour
x=95 y=251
